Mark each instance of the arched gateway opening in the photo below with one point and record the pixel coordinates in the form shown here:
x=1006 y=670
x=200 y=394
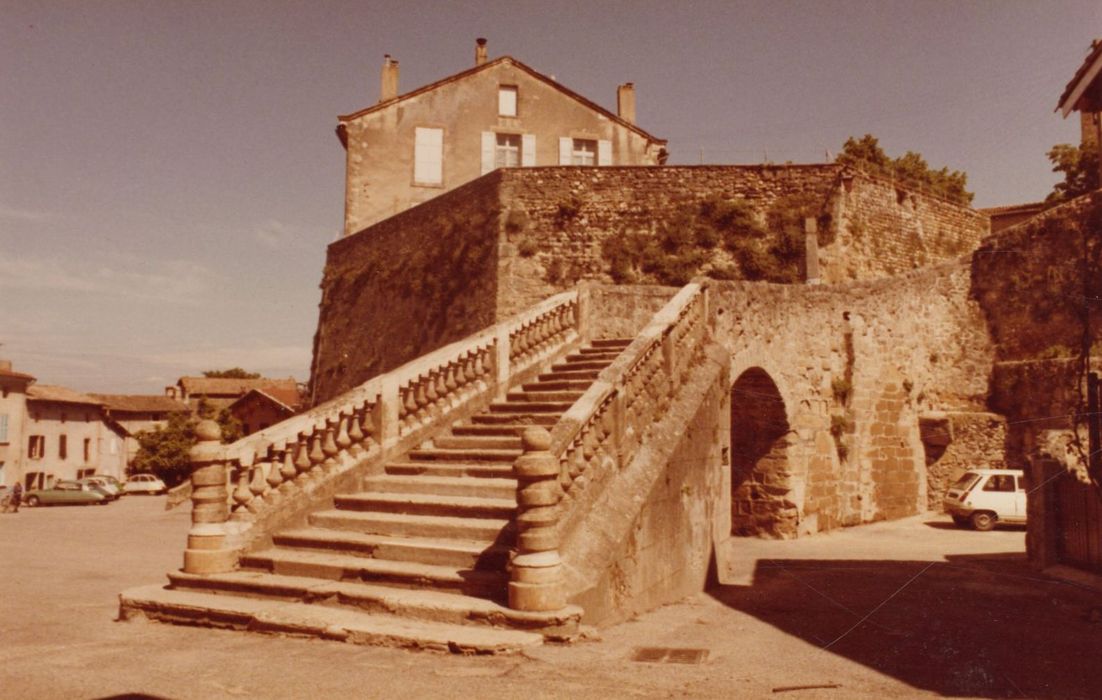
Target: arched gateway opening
x=760 y=477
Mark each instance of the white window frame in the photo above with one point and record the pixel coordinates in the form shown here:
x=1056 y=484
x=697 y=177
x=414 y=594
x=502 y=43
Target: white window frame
x=507 y=150
x=428 y=156
x=507 y=100
x=580 y=153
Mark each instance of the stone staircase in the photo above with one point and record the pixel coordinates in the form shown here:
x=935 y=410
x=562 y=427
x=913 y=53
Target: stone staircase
x=417 y=558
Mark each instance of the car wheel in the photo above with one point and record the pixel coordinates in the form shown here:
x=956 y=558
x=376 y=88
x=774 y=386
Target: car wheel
x=32 y=501
x=983 y=521
x=960 y=520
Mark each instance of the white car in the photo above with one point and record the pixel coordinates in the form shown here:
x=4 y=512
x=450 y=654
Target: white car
x=145 y=483
x=108 y=484
x=983 y=497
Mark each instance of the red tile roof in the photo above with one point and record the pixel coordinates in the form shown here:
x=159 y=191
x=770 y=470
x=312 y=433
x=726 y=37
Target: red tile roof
x=141 y=403
x=59 y=394
x=285 y=390
x=1088 y=72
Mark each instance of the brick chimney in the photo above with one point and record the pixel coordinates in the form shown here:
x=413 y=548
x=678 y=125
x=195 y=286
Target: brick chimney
x=479 y=51
x=389 y=88
x=625 y=102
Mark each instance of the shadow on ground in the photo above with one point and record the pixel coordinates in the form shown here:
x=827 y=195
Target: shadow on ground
x=973 y=625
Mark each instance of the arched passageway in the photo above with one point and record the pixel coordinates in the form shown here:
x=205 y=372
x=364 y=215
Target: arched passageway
x=760 y=475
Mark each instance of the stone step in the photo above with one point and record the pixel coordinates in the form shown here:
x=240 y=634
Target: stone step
x=530 y=406
x=614 y=350
x=468 y=442
x=441 y=552
x=599 y=356
x=321 y=621
x=544 y=396
x=611 y=343
x=456 y=455
x=428 y=504
x=398 y=574
x=559 y=385
x=456 y=469
x=580 y=365
x=521 y=420
x=435 y=606
x=572 y=375
x=405 y=525
x=441 y=485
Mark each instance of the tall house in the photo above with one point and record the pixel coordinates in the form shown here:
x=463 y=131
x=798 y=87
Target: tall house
x=13 y=418
x=410 y=148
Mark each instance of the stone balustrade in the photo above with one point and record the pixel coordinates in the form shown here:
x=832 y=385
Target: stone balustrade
x=601 y=432
x=370 y=423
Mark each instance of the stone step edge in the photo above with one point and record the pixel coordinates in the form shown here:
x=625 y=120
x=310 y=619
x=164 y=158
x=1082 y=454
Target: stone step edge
x=325 y=538
x=384 y=568
x=303 y=619
x=558 y=625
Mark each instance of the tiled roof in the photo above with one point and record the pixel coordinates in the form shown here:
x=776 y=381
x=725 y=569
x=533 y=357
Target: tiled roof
x=60 y=394
x=286 y=390
x=141 y=403
x=267 y=396
x=486 y=66
x=9 y=374
x=1013 y=208
x=1088 y=71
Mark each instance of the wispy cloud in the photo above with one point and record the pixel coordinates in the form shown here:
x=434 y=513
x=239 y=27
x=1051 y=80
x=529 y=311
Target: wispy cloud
x=278 y=235
x=161 y=281
x=16 y=214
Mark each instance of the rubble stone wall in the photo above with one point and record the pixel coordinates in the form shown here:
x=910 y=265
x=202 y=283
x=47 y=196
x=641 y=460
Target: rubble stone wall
x=406 y=286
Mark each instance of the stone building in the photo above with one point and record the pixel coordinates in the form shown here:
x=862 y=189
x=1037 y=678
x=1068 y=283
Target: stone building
x=1083 y=94
x=68 y=436
x=13 y=418
x=222 y=392
x=411 y=147
x=259 y=408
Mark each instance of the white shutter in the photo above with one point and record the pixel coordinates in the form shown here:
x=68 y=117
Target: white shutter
x=489 y=140
x=604 y=152
x=566 y=149
x=428 y=156
x=528 y=150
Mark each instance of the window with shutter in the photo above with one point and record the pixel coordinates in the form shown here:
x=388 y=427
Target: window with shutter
x=488 y=143
x=528 y=156
x=584 y=152
x=507 y=101
x=428 y=156
x=566 y=148
x=604 y=152
x=507 y=151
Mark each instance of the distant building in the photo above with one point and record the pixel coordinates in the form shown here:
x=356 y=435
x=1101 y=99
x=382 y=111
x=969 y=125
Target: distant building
x=135 y=413
x=259 y=409
x=220 y=392
x=68 y=435
x=501 y=113
x=1005 y=217
x=13 y=417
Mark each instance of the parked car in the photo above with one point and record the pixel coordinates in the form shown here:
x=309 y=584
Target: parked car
x=66 y=493
x=984 y=497
x=108 y=485
x=145 y=483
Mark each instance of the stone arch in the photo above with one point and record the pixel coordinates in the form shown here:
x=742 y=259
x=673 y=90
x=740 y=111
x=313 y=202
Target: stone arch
x=761 y=478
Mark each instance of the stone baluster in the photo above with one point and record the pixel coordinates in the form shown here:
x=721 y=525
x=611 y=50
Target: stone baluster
x=242 y=495
x=355 y=433
x=329 y=445
x=316 y=454
x=302 y=458
x=535 y=581
x=206 y=551
x=275 y=472
x=258 y=482
x=287 y=471
x=344 y=440
x=421 y=399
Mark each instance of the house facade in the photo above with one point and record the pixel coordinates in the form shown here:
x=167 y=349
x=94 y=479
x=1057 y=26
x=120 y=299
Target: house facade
x=13 y=417
x=259 y=409
x=409 y=148
x=134 y=413
x=68 y=435
x=221 y=392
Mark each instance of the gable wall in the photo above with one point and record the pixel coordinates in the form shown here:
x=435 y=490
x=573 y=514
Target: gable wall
x=381 y=144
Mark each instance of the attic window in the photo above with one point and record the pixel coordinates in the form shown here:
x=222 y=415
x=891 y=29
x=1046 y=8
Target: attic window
x=507 y=101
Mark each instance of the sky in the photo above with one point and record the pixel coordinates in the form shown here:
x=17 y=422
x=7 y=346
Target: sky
x=170 y=176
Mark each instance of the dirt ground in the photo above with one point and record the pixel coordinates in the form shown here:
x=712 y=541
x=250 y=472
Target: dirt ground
x=905 y=609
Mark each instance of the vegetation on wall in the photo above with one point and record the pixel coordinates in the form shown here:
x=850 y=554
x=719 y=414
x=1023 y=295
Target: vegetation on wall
x=720 y=238
x=164 y=451
x=910 y=169
x=1079 y=167
x=232 y=373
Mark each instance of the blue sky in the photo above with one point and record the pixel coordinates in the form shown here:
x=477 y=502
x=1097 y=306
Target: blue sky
x=170 y=177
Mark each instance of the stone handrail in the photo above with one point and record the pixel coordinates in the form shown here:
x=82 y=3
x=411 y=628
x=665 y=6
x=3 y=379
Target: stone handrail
x=235 y=484
x=600 y=433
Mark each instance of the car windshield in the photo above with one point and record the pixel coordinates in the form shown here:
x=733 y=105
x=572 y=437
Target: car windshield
x=965 y=482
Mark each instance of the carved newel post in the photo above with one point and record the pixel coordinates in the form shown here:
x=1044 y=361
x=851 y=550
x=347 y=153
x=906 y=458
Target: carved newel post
x=535 y=583
x=206 y=551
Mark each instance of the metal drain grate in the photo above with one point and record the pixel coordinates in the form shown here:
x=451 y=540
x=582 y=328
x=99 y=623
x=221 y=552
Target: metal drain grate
x=669 y=655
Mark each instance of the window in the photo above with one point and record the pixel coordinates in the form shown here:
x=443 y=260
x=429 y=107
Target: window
x=999 y=482
x=3 y=427
x=507 y=101
x=584 y=153
x=507 y=152
x=63 y=447
x=36 y=446
x=428 y=156
x=87 y=449
x=85 y=473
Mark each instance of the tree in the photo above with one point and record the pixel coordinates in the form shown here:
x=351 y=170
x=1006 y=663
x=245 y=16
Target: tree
x=164 y=450
x=1079 y=167
x=911 y=169
x=232 y=373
